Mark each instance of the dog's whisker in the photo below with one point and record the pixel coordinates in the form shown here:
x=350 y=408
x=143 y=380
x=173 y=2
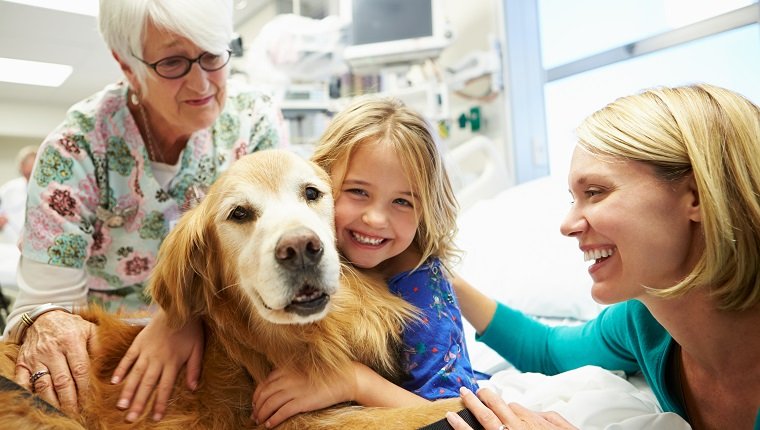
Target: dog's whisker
x=235 y=284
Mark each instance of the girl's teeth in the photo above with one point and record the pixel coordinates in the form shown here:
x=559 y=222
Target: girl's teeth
x=366 y=239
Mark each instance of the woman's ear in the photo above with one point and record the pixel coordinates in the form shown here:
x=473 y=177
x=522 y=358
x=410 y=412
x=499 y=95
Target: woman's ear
x=695 y=211
x=128 y=72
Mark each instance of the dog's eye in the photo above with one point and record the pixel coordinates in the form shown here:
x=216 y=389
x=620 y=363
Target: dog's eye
x=312 y=193
x=240 y=214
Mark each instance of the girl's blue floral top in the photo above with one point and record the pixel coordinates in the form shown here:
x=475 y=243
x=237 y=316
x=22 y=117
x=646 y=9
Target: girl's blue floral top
x=435 y=359
x=94 y=203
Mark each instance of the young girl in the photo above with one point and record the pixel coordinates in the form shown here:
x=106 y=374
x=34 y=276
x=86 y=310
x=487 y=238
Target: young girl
x=395 y=215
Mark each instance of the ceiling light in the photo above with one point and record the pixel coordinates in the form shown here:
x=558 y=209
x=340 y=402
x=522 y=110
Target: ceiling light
x=82 y=7
x=33 y=72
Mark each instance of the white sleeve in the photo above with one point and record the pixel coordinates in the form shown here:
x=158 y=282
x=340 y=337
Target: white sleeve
x=40 y=283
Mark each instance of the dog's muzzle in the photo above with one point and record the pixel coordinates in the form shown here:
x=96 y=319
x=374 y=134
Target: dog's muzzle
x=299 y=251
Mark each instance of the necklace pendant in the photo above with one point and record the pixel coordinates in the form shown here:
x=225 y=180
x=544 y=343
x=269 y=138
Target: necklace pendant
x=115 y=221
x=115 y=218
x=109 y=218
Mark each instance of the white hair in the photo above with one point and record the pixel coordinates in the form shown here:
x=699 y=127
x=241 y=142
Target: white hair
x=24 y=153
x=206 y=23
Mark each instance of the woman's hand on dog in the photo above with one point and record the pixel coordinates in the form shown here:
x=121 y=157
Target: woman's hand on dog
x=154 y=360
x=58 y=343
x=493 y=412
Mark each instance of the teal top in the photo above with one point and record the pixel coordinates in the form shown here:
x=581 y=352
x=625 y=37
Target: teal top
x=623 y=337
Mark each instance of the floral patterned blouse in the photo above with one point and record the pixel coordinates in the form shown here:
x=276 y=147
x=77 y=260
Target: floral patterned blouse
x=435 y=359
x=94 y=202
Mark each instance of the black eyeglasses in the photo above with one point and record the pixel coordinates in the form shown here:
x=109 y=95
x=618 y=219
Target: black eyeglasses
x=178 y=66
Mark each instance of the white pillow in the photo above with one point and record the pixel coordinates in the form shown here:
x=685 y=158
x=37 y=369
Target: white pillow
x=514 y=252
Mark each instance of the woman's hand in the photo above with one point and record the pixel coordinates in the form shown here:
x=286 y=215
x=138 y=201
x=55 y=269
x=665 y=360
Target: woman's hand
x=286 y=393
x=495 y=414
x=156 y=357
x=58 y=343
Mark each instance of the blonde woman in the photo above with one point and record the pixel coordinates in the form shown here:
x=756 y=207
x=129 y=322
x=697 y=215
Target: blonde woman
x=666 y=190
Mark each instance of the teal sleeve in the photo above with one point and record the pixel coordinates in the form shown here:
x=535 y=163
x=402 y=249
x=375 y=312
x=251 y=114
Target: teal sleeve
x=535 y=347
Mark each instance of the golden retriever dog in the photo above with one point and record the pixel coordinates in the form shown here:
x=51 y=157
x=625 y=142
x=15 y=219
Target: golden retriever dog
x=257 y=262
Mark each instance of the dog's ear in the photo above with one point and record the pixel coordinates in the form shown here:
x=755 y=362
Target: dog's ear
x=185 y=267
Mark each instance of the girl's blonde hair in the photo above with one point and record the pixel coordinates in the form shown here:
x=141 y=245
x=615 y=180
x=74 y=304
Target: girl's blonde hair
x=387 y=121
x=714 y=134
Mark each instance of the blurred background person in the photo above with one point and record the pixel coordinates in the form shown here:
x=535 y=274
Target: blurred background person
x=13 y=197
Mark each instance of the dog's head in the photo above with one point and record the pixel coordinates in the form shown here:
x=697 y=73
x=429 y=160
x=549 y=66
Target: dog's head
x=263 y=236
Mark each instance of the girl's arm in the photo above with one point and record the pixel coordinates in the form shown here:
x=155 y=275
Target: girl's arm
x=286 y=393
x=374 y=390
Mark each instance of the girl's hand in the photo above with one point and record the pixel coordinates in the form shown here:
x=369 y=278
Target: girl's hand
x=286 y=393
x=58 y=343
x=156 y=357
x=495 y=414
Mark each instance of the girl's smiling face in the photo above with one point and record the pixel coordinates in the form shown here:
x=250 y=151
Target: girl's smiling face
x=637 y=229
x=375 y=215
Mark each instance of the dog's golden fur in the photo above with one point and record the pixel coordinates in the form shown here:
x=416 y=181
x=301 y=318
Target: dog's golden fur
x=224 y=264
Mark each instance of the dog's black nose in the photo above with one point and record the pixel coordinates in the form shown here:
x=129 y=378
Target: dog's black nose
x=299 y=248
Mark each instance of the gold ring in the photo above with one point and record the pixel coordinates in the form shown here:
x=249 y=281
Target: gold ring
x=26 y=319
x=37 y=375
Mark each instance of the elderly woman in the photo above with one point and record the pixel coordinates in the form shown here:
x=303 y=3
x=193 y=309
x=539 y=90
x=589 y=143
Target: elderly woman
x=114 y=177
x=666 y=189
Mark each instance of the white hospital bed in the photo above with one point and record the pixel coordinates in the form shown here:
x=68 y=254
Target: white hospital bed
x=515 y=253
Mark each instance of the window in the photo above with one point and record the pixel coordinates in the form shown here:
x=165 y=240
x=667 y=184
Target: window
x=572 y=33
x=573 y=29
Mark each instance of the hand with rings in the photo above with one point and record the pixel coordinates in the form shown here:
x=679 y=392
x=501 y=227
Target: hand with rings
x=495 y=414
x=53 y=359
x=37 y=375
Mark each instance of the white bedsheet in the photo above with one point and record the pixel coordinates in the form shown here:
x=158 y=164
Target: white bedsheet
x=514 y=253
x=589 y=397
